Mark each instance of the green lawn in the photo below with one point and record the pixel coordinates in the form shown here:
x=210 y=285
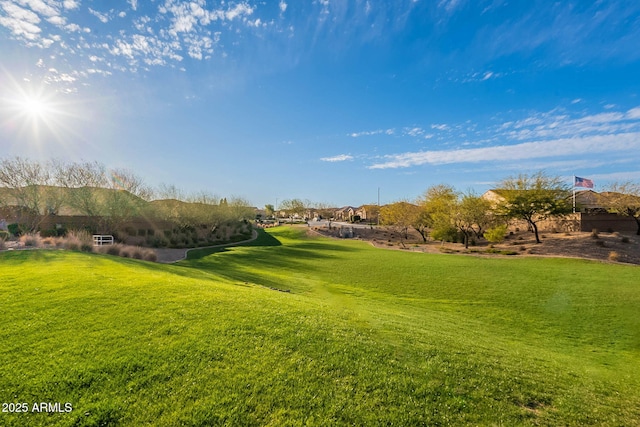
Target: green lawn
x=364 y=337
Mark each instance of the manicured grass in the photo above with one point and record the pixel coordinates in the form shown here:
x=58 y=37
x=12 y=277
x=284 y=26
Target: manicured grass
x=364 y=337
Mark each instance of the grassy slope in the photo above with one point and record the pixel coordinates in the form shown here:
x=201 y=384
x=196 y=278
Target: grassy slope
x=366 y=336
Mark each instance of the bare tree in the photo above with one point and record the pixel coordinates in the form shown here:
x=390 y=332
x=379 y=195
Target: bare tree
x=294 y=207
x=83 y=182
x=125 y=198
x=25 y=181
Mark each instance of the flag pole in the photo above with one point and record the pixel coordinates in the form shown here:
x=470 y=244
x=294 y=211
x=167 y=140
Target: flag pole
x=574 y=194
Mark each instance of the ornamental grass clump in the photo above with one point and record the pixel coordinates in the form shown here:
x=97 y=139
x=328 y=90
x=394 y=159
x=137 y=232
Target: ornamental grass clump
x=31 y=240
x=78 y=241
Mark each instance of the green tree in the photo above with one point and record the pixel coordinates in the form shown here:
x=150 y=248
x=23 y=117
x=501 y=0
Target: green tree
x=471 y=216
x=400 y=216
x=533 y=198
x=624 y=199
x=439 y=203
x=269 y=210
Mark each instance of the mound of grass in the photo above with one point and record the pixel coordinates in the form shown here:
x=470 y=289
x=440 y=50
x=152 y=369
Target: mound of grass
x=364 y=337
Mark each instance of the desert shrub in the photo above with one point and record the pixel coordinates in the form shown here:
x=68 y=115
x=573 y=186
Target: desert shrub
x=625 y=239
x=76 y=240
x=72 y=244
x=594 y=234
x=31 y=240
x=136 y=253
x=82 y=235
x=150 y=255
x=49 y=241
x=614 y=256
x=496 y=234
x=112 y=250
x=16 y=229
x=48 y=233
x=447 y=234
x=157 y=242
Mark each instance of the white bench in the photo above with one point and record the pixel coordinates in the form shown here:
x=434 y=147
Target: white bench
x=102 y=239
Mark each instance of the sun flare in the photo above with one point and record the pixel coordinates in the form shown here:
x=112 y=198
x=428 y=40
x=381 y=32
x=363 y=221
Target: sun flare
x=35 y=107
x=35 y=113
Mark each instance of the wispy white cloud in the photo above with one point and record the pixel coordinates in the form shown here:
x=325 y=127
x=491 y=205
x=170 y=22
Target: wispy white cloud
x=414 y=131
x=558 y=124
x=71 y=4
x=176 y=30
x=450 y=6
x=554 y=134
x=633 y=114
x=41 y=7
x=338 y=158
x=527 y=150
x=633 y=175
x=372 y=132
x=21 y=22
x=103 y=17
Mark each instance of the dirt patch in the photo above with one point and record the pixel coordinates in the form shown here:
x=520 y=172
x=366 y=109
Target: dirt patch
x=611 y=247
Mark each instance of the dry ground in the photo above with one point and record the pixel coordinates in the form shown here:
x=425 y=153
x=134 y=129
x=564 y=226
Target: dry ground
x=605 y=247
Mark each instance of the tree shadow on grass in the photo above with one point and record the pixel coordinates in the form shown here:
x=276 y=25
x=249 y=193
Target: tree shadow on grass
x=269 y=256
x=263 y=239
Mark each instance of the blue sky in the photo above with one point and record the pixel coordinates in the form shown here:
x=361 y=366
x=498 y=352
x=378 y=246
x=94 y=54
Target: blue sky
x=325 y=100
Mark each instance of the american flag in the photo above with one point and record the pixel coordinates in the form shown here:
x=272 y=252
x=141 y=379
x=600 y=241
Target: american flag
x=583 y=182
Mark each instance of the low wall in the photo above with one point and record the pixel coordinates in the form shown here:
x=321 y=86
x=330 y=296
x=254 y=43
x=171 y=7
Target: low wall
x=582 y=222
x=607 y=222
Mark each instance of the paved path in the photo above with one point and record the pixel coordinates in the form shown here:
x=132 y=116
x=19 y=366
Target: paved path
x=168 y=256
